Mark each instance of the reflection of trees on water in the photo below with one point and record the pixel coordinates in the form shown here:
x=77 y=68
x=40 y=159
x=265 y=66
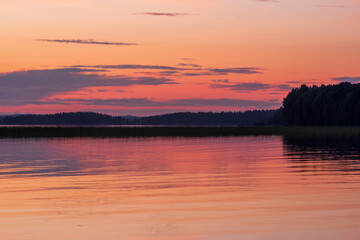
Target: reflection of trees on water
x=35 y=158
x=323 y=153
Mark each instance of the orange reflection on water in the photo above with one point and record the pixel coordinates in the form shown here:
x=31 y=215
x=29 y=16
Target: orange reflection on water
x=173 y=189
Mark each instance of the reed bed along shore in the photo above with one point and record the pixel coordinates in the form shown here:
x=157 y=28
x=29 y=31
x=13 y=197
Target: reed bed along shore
x=121 y=132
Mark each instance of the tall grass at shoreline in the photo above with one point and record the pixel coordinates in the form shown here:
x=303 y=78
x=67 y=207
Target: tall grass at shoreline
x=121 y=132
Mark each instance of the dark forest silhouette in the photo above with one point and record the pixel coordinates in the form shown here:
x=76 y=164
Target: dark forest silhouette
x=247 y=118
x=304 y=106
x=323 y=106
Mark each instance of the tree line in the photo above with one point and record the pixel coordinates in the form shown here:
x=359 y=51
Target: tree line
x=247 y=118
x=304 y=106
x=323 y=105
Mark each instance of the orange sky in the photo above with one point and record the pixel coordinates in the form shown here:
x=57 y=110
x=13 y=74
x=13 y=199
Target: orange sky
x=144 y=57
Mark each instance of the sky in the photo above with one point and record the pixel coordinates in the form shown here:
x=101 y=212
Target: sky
x=148 y=57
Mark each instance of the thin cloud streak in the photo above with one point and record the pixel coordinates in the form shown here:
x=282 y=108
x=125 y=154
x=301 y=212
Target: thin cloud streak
x=196 y=69
x=347 y=79
x=251 y=86
x=247 y=70
x=129 y=66
x=189 y=65
x=192 y=102
x=331 y=6
x=24 y=87
x=89 y=41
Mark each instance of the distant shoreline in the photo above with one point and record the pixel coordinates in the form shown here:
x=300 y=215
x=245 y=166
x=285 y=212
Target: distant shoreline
x=166 y=131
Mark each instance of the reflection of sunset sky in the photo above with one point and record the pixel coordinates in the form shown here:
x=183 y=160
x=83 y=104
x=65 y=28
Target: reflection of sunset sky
x=131 y=156
x=209 y=50
x=180 y=188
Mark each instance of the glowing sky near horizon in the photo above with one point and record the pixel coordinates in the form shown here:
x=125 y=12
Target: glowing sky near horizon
x=145 y=57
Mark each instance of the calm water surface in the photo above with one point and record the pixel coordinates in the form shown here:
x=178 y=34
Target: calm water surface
x=179 y=189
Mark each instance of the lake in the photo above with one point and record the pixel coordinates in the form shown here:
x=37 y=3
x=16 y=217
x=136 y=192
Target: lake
x=224 y=188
